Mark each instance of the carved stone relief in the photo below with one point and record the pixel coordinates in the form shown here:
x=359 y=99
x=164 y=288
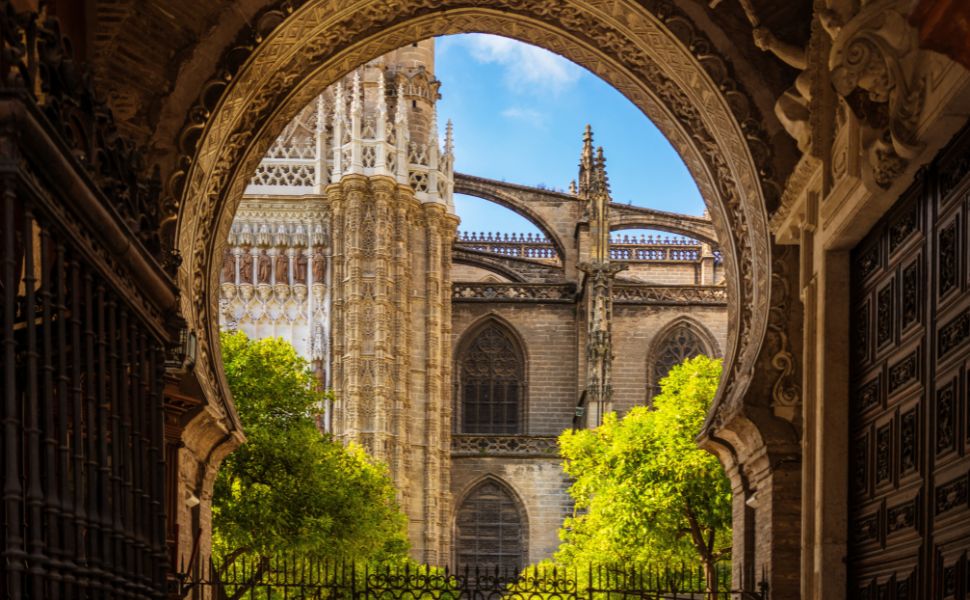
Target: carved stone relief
x=876 y=65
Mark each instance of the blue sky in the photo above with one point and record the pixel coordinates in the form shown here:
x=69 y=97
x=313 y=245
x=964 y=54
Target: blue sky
x=519 y=113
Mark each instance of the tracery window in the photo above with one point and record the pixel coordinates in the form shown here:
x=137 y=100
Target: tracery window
x=489 y=530
x=491 y=373
x=672 y=348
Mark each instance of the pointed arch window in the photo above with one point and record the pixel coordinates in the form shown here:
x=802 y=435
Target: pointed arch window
x=490 y=531
x=491 y=386
x=677 y=344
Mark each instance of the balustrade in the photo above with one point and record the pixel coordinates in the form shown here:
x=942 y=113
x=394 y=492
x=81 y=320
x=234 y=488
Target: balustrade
x=622 y=248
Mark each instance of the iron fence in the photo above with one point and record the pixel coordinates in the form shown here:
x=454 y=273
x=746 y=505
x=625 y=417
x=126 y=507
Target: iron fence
x=290 y=578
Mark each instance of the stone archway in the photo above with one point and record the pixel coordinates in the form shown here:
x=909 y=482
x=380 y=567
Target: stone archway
x=673 y=77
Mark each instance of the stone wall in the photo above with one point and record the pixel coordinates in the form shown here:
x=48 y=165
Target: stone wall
x=553 y=339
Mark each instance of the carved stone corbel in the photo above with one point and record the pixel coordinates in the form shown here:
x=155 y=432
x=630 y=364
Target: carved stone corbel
x=876 y=65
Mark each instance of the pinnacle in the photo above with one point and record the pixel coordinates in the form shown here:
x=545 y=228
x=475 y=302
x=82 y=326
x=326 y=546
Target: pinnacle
x=600 y=179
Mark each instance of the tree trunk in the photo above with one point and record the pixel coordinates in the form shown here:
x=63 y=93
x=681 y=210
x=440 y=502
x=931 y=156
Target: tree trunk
x=705 y=549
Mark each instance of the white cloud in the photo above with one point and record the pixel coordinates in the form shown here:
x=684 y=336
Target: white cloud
x=527 y=68
x=518 y=113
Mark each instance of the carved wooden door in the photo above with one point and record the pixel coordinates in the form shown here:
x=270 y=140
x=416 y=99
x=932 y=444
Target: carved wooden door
x=909 y=508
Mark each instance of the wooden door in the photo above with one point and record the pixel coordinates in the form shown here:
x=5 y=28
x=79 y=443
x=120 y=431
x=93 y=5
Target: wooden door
x=909 y=471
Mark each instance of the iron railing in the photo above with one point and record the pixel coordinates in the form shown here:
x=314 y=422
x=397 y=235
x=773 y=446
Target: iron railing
x=282 y=577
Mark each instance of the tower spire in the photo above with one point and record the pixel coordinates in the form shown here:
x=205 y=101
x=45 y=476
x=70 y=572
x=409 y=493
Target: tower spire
x=599 y=270
x=339 y=119
x=599 y=181
x=586 y=163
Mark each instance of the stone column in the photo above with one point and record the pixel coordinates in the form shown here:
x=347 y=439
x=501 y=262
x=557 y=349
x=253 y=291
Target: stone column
x=831 y=416
x=449 y=230
x=435 y=276
x=759 y=443
x=404 y=207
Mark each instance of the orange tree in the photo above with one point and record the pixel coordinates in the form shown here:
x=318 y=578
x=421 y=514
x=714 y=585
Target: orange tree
x=645 y=494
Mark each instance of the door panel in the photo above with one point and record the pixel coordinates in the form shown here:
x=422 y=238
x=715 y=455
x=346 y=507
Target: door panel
x=909 y=495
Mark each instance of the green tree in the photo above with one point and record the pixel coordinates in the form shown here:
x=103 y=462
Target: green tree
x=291 y=489
x=645 y=494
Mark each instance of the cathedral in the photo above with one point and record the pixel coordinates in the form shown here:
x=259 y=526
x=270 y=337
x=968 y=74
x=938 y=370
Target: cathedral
x=170 y=168
x=445 y=351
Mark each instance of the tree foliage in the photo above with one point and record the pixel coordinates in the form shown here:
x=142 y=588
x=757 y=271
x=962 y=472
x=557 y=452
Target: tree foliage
x=645 y=494
x=290 y=489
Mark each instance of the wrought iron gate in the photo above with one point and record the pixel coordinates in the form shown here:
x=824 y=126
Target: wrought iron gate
x=84 y=330
x=909 y=521
x=301 y=579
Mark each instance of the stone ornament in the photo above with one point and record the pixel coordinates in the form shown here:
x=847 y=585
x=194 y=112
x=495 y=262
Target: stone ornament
x=876 y=65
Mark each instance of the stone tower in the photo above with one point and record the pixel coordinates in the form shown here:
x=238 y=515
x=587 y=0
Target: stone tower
x=370 y=236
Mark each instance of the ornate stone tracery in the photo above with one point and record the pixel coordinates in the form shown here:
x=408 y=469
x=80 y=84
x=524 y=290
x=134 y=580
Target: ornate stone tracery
x=701 y=109
x=679 y=340
x=490 y=529
x=490 y=381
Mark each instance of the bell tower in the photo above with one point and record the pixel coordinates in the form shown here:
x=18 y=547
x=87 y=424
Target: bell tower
x=393 y=224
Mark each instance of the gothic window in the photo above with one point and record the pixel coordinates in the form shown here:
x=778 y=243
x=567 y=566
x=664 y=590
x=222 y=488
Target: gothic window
x=491 y=383
x=679 y=343
x=489 y=530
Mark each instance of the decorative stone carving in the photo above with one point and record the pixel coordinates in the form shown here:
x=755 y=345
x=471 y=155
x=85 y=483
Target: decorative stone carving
x=792 y=107
x=513 y=292
x=876 y=65
x=504 y=445
x=670 y=295
x=719 y=156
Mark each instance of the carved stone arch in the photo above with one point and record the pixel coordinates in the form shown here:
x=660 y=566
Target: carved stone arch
x=470 y=355
x=473 y=186
x=496 y=487
x=717 y=133
x=681 y=338
x=649 y=51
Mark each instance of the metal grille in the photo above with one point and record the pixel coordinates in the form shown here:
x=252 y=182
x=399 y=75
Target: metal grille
x=489 y=530
x=491 y=371
x=292 y=578
x=83 y=464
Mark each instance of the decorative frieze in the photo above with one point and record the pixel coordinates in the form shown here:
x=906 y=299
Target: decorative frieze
x=519 y=446
x=513 y=292
x=715 y=295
